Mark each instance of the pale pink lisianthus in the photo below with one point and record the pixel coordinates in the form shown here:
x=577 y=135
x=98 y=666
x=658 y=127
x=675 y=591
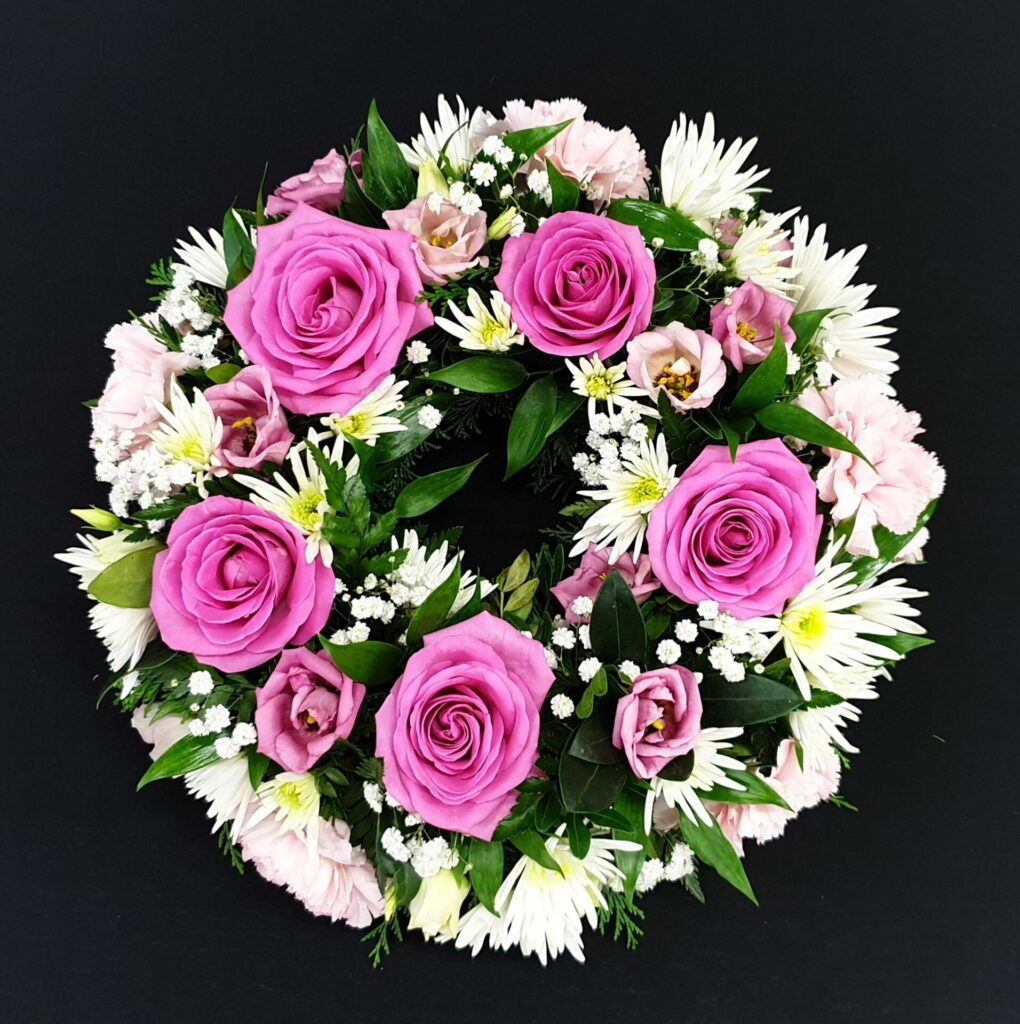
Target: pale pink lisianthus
x=745 y=324
x=608 y=164
x=687 y=364
x=254 y=424
x=448 y=240
x=903 y=477
x=587 y=579
x=337 y=880
x=143 y=368
x=321 y=186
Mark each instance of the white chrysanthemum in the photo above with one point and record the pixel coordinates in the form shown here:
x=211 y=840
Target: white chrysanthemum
x=818 y=729
x=543 y=911
x=480 y=330
x=702 y=177
x=592 y=379
x=630 y=492
x=755 y=256
x=226 y=787
x=204 y=257
x=421 y=572
x=293 y=800
x=370 y=418
x=125 y=632
x=190 y=432
x=854 y=336
x=456 y=134
x=710 y=766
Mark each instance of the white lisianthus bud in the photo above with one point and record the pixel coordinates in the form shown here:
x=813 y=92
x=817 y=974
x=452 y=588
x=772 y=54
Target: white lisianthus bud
x=501 y=226
x=435 y=909
x=430 y=179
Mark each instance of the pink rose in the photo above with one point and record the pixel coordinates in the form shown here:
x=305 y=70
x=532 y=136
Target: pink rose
x=607 y=164
x=254 y=426
x=336 y=881
x=588 y=577
x=580 y=285
x=327 y=308
x=905 y=477
x=321 y=186
x=233 y=587
x=140 y=382
x=448 y=240
x=742 y=533
x=687 y=364
x=745 y=323
x=458 y=733
x=659 y=720
x=304 y=707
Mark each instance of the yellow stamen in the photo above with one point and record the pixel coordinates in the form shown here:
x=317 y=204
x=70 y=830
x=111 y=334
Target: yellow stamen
x=659 y=724
x=746 y=331
x=682 y=385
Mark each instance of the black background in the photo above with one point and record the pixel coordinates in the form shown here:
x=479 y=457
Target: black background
x=895 y=123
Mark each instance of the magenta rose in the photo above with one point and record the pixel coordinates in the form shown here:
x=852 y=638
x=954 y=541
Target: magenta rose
x=588 y=577
x=580 y=285
x=254 y=425
x=321 y=186
x=327 y=308
x=741 y=533
x=233 y=587
x=458 y=732
x=745 y=323
x=448 y=241
x=304 y=707
x=659 y=720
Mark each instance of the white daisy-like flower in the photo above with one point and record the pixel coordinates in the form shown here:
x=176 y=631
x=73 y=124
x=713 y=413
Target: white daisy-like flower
x=190 y=433
x=370 y=418
x=818 y=729
x=293 y=800
x=455 y=134
x=630 y=492
x=482 y=329
x=542 y=911
x=204 y=257
x=710 y=766
x=125 y=632
x=755 y=256
x=421 y=572
x=854 y=336
x=609 y=385
x=226 y=787
x=702 y=177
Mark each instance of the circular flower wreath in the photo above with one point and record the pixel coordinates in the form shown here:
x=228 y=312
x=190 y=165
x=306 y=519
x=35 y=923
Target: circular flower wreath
x=378 y=729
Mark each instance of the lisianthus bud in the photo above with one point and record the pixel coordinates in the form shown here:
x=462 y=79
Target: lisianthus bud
x=500 y=227
x=98 y=518
x=435 y=908
x=430 y=179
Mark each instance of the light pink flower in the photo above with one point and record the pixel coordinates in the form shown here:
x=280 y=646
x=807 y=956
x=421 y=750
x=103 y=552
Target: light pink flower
x=321 y=186
x=140 y=382
x=448 y=240
x=905 y=477
x=588 y=577
x=607 y=164
x=254 y=425
x=688 y=364
x=336 y=881
x=745 y=322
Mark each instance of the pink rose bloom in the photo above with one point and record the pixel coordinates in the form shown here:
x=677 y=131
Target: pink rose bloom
x=580 y=285
x=254 y=425
x=607 y=164
x=140 y=382
x=321 y=186
x=742 y=533
x=687 y=364
x=905 y=477
x=327 y=308
x=745 y=323
x=448 y=240
x=233 y=587
x=336 y=881
x=588 y=577
x=304 y=707
x=659 y=720
x=458 y=733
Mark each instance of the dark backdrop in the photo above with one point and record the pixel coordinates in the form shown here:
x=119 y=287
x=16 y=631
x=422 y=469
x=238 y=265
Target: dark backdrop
x=125 y=122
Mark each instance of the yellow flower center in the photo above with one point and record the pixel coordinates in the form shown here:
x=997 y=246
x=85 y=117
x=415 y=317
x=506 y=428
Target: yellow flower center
x=746 y=331
x=645 y=489
x=491 y=331
x=304 y=509
x=807 y=626
x=599 y=385
x=443 y=241
x=187 y=449
x=682 y=385
x=290 y=797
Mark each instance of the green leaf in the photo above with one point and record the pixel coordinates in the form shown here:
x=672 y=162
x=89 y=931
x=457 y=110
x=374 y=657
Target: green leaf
x=488 y=375
x=565 y=193
x=532 y=845
x=258 y=765
x=903 y=643
x=609 y=819
x=425 y=493
x=530 y=425
x=486 y=860
x=520 y=816
x=805 y=326
x=238 y=250
x=578 y=836
x=679 y=769
x=593 y=738
x=356 y=206
x=754 y=699
x=617 y=629
x=389 y=182
x=371 y=662
x=127 y=583
x=434 y=609
x=596 y=688
x=654 y=220
x=222 y=372
x=528 y=141
x=756 y=791
x=567 y=406
x=335 y=476
x=781 y=418
x=889 y=545
x=400 y=442
x=715 y=850
x=588 y=787
x=522 y=597
x=186 y=755
x=765 y=381
x=516 y=573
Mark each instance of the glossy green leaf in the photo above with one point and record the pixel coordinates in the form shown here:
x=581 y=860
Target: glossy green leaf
x=751 y=700
x=388 y=181
x=765 y=382
x=482 y=374
x=593 y=739
x=889 y=545
x=617 y=629
x=528 y=141
x=356 y=205
x=127 y=583
x=516 y=573
x=654 y=221
x=578 y=835
x=679 y=769
x=425 y=493
x=371 y=662
x=565 y=408
x=805 y=326
x=530 y=424
x=222 y=372
x=585 y=786
x=565 y=193
x=713 y=848
x=756 y=791
x=399 y=443
x=238 y=251
x=435 y=608
x=532 y=845
x=781 y=419
x=486 y=860
x=258 y=765
x=186 y=755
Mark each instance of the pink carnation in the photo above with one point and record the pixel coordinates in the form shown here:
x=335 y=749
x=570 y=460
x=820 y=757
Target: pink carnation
x=905 y=477
x=448 y=240
x=321 y=186
x=607 y=164
x=687 y=364
x=588 y=577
